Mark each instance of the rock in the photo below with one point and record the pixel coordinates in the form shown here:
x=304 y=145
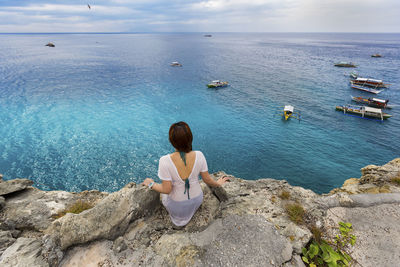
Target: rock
x=221 y=244
x=6 y=240
x=50 y=45
x=11 y=186
x=51 y=251
x=380 y=175
x=25 y=252
x=33 y=208
x=108 y=219
x=2 y=202
x=1 y=177
x=376 y=229
x=119 y=245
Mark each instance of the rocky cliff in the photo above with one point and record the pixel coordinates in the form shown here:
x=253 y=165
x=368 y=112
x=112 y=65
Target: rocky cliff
x=243 y=223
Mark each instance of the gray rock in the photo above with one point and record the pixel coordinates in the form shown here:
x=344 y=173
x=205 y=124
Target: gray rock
x=119 y=245
x=25 y=252
x=11 y=186
x=1 y=177
x=377 y=232
x=33 y=208
x=6 y=240
x=2 y=202
x=108 y=219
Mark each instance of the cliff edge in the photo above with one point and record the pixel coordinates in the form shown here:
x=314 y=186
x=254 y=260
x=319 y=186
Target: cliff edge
x=244 y=223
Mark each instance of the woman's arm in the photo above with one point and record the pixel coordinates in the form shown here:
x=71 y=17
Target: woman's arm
x=211 y=182
x=165 y=187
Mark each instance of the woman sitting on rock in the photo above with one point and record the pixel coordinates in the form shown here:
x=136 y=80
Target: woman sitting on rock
x=180 y=189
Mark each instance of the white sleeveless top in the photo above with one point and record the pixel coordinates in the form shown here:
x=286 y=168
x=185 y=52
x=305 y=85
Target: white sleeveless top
x=167 y=171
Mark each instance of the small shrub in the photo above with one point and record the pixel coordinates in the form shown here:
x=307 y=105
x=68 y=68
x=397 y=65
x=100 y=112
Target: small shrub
x=295 y=212
x=75 y=208
x=396 y=180
x=284 y=194
x=273 y=199
x=317 y=233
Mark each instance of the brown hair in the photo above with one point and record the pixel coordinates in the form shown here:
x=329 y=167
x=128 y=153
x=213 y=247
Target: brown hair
x=181 y=136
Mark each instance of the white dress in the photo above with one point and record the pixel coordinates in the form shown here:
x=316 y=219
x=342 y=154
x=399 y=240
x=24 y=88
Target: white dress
x=182 y=205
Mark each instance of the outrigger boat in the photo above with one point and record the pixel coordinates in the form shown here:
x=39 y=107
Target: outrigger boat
x=364 y=111
x=365 y=89
x=288 y=112
x=368 y=82
x=176 y=64
x=372 y=102
x=217 y=84
x=345 y=64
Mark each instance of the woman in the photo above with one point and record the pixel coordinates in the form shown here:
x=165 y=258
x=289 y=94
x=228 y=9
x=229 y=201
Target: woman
x=179 y=173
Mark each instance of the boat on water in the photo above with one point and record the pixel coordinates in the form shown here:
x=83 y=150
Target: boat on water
x=353 y=75
x=369 y=82
x=365 y=89
x=372 y=102
x=207 y=35
x=364 y=111
x=175 y=64
x=376 y=55
x=288 y=112
x=345 y=64
x=217 y=84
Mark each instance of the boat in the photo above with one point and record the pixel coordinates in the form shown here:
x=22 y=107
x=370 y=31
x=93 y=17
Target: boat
x=288 y=112
x=217 y=84
x=345 y=64
x=365 y=89
x=175 y=64
x=353 y=75
x=364 y=111
x=376 y=55
x=207 y=35
x=372 y=102
x=369 y=82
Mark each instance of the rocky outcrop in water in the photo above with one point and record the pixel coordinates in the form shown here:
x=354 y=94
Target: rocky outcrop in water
x=243 y=223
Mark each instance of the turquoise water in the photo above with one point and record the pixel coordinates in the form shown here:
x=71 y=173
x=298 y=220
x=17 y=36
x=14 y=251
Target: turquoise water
x=94 y=112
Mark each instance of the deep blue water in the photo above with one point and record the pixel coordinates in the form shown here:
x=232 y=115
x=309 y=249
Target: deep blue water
x=94 y=112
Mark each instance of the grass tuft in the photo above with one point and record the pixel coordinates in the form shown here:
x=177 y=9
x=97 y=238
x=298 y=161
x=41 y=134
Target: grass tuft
x=396 y=180
x=75 y=208
x=295 y=212
x=284 y=194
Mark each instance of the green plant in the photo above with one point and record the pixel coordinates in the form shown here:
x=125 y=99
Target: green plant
x=396 y=180
x=323 y=254
x=295 y=212
x=284 y=194
x=76 y=208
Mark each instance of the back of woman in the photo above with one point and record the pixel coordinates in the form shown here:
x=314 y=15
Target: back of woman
x=179 y=173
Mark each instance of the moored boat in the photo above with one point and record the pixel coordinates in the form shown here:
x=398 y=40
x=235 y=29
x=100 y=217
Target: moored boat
x=376 y=55
x=372 y=102
x=288 y=112
x=369 y=82
x=345 y=64
x=365 y=89
x=207 y=35
x=364 y=111
x=176 y=64
x=217 y=84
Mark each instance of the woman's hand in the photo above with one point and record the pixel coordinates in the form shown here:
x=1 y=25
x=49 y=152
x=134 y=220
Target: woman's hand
x=147 y=181
x=222 y=180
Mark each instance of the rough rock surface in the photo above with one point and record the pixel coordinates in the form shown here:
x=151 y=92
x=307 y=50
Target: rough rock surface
x=108 y=219
x=377 y=231
x=243 y=223
x=25 y=252
x=11 y=186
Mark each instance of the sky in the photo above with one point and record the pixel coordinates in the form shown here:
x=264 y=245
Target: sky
x=30 y=16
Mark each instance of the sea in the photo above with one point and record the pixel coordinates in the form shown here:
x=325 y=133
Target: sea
x=94 y=111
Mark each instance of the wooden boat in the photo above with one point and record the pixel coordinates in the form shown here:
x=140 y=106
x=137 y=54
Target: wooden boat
x=346 y=64
x=365 y=89
x=376 y=55
x=288 y=112
x=364 y=111
x=175 y=64
x=217 y=84
x=369 y=82
x=372 y=102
